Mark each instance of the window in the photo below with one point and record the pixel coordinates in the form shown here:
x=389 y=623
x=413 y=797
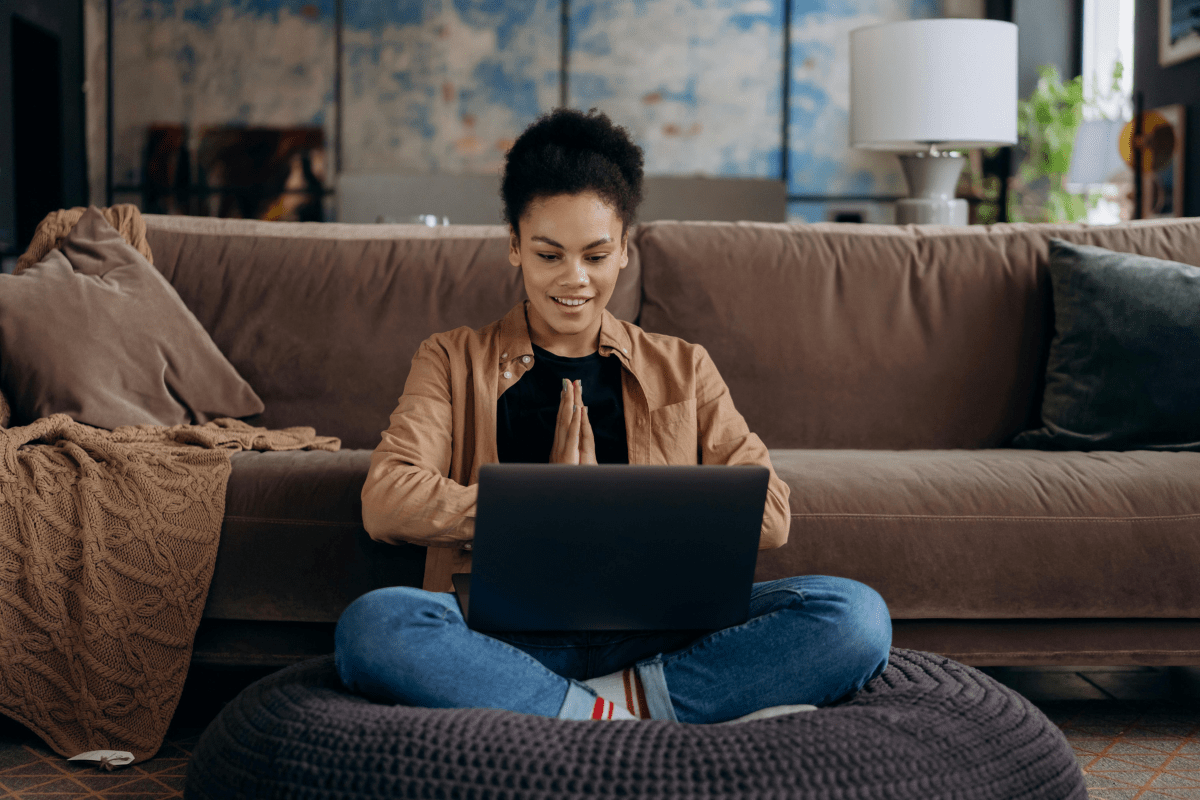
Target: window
x=1107 y=39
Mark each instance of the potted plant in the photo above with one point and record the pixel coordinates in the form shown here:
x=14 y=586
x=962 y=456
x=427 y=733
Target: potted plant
x=1046 y=126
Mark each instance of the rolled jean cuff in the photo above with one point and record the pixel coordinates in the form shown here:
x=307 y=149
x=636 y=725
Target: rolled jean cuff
x=578 y=703
x=658 y=699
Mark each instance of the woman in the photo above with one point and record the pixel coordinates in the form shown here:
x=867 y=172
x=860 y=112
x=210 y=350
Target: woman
x=559 y=379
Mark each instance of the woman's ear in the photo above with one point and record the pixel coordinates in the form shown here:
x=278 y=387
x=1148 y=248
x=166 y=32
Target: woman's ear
x=514 y=248
x=624 y=250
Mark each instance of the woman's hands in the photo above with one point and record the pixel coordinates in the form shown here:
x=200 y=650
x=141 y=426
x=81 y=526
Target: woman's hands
x=573 y=439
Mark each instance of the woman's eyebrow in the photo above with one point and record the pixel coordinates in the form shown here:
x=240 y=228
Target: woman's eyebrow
x=553 y=243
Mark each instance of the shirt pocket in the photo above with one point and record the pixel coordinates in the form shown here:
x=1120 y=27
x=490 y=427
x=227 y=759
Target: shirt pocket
x=673 y=433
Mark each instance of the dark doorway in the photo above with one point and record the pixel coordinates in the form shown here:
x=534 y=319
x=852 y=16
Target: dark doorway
x=37 y=126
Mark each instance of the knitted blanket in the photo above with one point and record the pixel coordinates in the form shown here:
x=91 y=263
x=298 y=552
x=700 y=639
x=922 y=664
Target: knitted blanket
x=125 y=217
x=107 y=546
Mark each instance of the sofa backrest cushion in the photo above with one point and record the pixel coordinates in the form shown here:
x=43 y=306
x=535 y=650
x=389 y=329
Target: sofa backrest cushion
x=875 y=336
x=322 y=319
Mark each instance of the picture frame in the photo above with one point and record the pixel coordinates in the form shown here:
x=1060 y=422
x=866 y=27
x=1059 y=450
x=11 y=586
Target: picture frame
x=1179 y=31
x=1162 y=189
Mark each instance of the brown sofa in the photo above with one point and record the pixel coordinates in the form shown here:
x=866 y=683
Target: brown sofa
x=886 y=368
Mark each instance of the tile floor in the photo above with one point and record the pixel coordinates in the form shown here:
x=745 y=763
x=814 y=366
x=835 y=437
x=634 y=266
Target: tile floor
x=1135 y=732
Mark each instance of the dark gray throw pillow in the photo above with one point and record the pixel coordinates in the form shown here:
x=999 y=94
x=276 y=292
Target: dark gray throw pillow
x=1124 y=365
x=96 y=332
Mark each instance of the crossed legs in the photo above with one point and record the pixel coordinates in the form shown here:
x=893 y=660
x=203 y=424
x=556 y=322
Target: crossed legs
x=810 y=639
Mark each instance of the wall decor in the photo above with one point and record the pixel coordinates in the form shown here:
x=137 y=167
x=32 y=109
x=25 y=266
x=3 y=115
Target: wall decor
x=1179 y=31
x=733 y=88
x=1163 y=130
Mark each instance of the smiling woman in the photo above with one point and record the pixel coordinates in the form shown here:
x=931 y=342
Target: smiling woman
x=561 y=380
x=572 y=183
x=570 y=253
x=571 y=186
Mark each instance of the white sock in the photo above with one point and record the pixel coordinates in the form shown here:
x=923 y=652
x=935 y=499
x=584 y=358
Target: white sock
x=624 y=690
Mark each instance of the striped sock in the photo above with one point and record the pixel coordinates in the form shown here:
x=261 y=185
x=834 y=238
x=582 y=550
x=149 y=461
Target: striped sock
x=607 y=709
x=623 y=688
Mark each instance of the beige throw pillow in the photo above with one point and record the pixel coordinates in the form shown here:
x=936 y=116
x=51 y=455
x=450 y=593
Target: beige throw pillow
x=94 y=331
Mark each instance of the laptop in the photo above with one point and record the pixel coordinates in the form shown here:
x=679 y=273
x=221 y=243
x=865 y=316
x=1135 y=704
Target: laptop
x=613 y=547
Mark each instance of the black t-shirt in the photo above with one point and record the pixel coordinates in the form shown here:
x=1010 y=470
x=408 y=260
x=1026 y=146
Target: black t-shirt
x=526 y=412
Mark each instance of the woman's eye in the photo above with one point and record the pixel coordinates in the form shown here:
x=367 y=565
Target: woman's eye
x=555 y=257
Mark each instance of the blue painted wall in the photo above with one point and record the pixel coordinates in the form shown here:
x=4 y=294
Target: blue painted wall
x=445 y=85
x=698 y=82
x=217 y=62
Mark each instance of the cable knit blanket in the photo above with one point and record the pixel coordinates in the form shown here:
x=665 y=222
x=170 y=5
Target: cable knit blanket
x=107 y=546
x=51 y=231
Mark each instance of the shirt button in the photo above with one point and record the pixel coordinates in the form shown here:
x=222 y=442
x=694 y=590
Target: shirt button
x=504 y=355
x=507 y=374
x=623 y=350
x=525 y=359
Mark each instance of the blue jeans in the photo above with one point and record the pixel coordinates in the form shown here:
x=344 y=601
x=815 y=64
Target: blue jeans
x=810 y=639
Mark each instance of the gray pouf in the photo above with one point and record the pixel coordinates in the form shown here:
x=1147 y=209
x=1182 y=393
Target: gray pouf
x=926 y=728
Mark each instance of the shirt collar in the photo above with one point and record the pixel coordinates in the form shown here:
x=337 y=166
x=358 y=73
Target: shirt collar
x=514 y=335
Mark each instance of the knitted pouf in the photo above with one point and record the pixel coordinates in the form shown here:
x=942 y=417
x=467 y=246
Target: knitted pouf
x=926 y=728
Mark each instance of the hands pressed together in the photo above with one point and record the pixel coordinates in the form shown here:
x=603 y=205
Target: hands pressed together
x=573 y=439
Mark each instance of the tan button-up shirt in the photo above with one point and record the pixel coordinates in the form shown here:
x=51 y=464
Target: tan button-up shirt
x=422 y=484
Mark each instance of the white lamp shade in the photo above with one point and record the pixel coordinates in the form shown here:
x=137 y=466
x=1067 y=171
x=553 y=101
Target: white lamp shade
x=952 y=82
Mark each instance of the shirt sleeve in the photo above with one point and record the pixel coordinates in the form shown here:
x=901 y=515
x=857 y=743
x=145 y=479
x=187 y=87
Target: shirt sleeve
x=407 y=496
x=724 y=438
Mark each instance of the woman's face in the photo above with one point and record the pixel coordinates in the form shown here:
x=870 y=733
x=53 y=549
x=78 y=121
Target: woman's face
x=571 y=248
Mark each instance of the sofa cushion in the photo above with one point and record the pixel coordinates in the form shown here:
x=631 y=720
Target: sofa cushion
x=993 y=534
x=323 y=319
x=292 y=543
x=875 y=336
x=1124 y=365
x=94 y=331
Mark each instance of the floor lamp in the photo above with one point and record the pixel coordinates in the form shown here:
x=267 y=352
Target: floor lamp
x=922 y=88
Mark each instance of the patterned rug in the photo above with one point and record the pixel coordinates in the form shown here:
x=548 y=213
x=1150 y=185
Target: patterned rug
x=1134 y=750
x=1127 y=749
x=30 y=770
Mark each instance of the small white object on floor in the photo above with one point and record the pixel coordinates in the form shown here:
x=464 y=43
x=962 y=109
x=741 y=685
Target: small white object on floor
x=105 y=759
x=770 y=711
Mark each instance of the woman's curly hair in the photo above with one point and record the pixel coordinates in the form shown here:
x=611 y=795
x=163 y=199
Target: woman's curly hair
x=568 y=152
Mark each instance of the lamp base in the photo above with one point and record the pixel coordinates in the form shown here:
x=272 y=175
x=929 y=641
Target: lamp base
x=924 y=211
x=932 y=178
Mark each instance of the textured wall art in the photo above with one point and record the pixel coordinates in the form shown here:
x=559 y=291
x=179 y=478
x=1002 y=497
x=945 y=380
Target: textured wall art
x=698 y=82
x=821 y=162
x=445 y=86
x=217 y=62
x=433 y=86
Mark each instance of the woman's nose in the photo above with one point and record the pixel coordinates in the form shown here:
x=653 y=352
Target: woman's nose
x=577 y=274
